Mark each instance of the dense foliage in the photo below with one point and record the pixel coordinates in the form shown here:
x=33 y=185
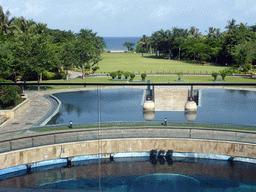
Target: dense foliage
x=9 y=95
x=236 y=46
x=29 y=50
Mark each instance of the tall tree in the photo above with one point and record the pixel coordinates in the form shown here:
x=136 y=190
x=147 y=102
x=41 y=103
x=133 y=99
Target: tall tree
x=144 y=42
x=194 y=31
x=231 y=24
x=96 y=45
x=236 y=36
x=128 y=45
x=6 y=24
x=25 y=26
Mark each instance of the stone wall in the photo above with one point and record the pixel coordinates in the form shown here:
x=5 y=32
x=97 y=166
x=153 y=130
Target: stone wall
x=10 y=114
x=50 y=152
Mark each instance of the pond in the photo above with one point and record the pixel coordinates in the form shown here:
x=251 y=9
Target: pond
x=141 y=174
x=124 y=104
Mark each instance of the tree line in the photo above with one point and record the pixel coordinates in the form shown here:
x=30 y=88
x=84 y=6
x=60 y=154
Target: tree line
x=236 y=46
x=28 y=49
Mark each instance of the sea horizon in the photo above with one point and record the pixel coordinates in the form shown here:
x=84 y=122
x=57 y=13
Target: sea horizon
x=116 y=43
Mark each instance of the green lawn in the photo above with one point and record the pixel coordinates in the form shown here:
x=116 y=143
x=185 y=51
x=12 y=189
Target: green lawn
x=153 y=79
x=134 y=62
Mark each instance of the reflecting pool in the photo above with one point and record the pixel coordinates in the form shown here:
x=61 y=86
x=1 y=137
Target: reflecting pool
x=125 y=104
x=141 y=174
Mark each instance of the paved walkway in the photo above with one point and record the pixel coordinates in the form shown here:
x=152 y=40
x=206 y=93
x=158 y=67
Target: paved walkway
x=37 y=109
x=74 y=75
x=39 y=105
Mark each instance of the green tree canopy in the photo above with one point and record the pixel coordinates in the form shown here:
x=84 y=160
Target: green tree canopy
x=128 y=45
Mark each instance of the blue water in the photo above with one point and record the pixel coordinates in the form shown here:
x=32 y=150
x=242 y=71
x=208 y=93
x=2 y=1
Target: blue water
x=139 y=174
x=116 y=43
x=217 y=106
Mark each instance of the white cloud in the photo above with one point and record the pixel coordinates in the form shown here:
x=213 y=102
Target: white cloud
x=33 y=9
x=161 y=12
x=221 y=15
x=106 y=8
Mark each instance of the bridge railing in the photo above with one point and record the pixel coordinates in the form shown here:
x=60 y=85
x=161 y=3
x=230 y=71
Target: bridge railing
x=33 y=138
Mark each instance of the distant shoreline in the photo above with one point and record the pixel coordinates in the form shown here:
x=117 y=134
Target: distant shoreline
x=116 y=51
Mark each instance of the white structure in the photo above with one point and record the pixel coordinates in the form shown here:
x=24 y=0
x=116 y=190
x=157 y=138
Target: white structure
x=191 y=106
x=149 y=106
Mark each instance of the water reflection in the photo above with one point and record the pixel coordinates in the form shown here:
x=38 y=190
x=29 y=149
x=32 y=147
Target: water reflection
x=190 y=115
x=149 y=115
x=217 y=106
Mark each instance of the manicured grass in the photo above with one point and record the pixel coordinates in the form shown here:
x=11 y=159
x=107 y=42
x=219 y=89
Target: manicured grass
x=135 y=62
x=153 y=79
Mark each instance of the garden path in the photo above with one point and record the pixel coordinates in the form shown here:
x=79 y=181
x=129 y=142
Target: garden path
x=74 y=75
x=37 y=109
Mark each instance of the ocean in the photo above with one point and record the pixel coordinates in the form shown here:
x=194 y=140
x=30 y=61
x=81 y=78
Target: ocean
x=116 y=43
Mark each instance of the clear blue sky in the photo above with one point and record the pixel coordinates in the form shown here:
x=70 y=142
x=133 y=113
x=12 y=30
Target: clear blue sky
x=127 y=18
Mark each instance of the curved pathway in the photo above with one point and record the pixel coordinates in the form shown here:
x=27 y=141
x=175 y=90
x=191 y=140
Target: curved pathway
x=37 y=109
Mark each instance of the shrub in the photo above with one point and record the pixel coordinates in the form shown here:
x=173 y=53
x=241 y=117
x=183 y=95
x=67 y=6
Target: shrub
x=113 y=75
x=143 y=75
x=119 y=74
x=236 y=71
x=95 y=68
x=249 y=66
x=9 y=94
x=126 y=74
x=60 y=75
x=179 y=74
x=223 y=74
x=48 y=75
x=108 y=51
x=215 y=74
x=228 y=71
x=132 y=75
x=119 y=71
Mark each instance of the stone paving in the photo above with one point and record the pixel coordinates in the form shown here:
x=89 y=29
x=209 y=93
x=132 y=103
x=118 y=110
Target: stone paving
x=38 y=107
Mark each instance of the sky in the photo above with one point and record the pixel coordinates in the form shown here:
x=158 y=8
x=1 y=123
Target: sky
x=133 y=18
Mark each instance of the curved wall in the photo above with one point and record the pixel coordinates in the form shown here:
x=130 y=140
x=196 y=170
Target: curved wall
x=108 y=146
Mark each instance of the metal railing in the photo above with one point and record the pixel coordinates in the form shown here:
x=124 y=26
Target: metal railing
x=31 y=138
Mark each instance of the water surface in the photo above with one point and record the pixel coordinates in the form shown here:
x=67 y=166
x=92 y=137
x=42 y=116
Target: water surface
x=216 y=106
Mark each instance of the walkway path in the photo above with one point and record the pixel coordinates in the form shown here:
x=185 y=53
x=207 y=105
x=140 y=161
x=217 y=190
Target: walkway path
x=74 y=75
x=37 y=109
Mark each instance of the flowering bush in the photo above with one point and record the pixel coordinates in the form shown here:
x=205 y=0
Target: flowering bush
x=9 y=95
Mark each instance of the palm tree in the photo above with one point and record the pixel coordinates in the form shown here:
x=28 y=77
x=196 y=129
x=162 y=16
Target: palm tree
x=193 y=31
x=217 y=33
x=41 y=28
x=6 y=25
x=231 y=24
x=25 y=26
x=211 y=32
x=253 y=28
x=144 y=42
x=154 y=39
